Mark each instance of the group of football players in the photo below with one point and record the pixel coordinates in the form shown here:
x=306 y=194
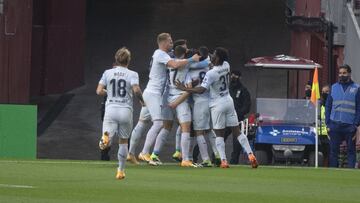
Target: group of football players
x=188 y=87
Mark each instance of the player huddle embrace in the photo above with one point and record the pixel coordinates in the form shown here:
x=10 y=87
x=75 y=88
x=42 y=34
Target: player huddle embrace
x=189 y=88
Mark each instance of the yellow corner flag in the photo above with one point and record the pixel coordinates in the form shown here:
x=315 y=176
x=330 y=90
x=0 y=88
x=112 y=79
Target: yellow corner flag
x=315 y=92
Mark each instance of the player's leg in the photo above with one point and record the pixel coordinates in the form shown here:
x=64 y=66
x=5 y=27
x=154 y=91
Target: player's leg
x=139 y=130
x=232 y=121
x=124 y=131
x=153 y=103
x=212 y=139
x=183 y=113
x=185 y=144
x=150 y=140
x=203 y=148
x=108 y=130
x=201 y=125
x=194 y=148
x=218 y=121
x=122 y=153
x=104 y=153
x=177 y=155
x=168 y=116
x=160 y=140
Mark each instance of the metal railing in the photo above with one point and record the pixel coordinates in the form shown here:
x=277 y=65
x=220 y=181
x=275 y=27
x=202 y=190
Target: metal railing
x=352 y=42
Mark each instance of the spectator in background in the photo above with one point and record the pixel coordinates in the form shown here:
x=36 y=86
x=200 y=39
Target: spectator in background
x=242 y=104
x=342 y=112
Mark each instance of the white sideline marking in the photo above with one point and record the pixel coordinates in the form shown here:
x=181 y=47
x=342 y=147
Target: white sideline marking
x=16 y=186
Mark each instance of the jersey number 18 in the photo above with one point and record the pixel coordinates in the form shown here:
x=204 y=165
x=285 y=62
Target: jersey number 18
x=118 y=87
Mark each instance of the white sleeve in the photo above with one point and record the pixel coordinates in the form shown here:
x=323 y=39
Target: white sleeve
x=202 y=64
x=208 y=80
x=103 y=79
x=134 y=79
x=163 y=58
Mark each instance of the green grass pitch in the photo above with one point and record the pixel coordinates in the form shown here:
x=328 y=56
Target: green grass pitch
x=94 y=181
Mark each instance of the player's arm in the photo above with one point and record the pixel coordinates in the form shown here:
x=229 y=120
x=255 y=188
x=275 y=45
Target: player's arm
x=138 y=94
x=179 y=100
x=100 y=90
x=182 y=62
x=205 y=85
x=196 y=90
x=202 y=64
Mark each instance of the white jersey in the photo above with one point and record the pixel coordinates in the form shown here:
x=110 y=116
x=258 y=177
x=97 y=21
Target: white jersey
x=182 y=74
x=198 y=74
x=157 y=77
x=174 y=75
x=217 y=81
x=119 y=82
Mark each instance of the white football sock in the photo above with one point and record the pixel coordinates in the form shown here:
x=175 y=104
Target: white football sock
x=202 y=147
x=244 y=143
x=212 y=138
x=122 y=154
x=185 y=145
x=136 y=134
x=178 y=139
x=220 y=146
x=160 y=140
x=151 y=136
x=191 y=147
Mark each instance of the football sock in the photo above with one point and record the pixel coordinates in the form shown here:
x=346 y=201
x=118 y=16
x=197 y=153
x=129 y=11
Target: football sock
x=122 y=154
x=220 y=146
x=191 y=147
x=185 y=145
x=178 y=139
x=202 y=147
x=160 y=140
x=244 y=143
x=212 y=138
x=136 y=134
x=151 y=136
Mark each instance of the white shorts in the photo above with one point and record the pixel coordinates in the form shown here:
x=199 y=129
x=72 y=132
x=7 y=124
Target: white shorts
x=153 y=103
x=201 y=115
x=224 y=115
x=145 y=114
x=182 y=111
x=167 y=113
x=118 y=121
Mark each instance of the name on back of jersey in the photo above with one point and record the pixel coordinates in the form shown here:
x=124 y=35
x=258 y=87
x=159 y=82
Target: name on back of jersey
x=119 y=74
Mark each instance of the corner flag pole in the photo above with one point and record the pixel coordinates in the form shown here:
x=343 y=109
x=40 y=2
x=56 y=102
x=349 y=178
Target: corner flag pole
x=316 y=136
x=315 y=96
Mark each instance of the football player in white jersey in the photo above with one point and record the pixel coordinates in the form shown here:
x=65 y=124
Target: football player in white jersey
x=200 y=110
x=139 y=130
x=120 y=83
x=222 y=109
x=153 y=93
x=182 y=112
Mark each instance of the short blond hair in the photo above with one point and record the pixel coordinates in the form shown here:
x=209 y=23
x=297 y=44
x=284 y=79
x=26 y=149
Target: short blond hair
x=162 y=37
x=122 y=56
